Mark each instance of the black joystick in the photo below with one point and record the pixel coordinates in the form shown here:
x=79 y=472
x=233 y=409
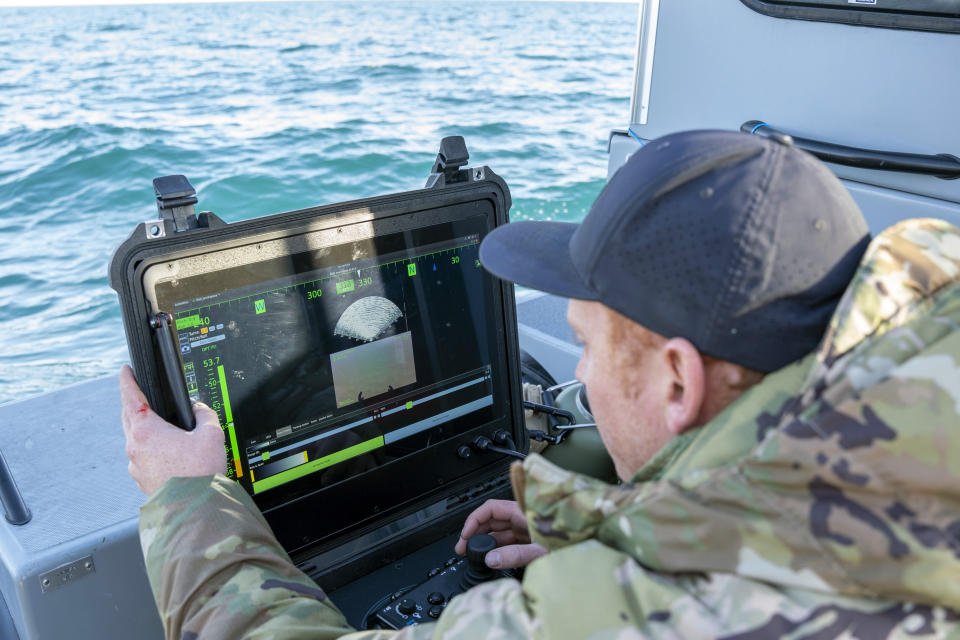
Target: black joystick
x=477 y=570
x=407 y=606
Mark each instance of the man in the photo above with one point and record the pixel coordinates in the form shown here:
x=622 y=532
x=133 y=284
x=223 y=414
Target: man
x=822 y=501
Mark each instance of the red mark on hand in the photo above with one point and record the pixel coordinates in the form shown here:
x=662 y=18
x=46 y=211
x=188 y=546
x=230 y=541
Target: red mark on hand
x=143 y=408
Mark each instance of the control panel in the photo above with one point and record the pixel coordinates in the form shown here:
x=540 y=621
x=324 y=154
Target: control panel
x=427 y=601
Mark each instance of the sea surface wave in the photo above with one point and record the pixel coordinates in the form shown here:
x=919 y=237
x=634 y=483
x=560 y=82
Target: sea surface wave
x=266 y=108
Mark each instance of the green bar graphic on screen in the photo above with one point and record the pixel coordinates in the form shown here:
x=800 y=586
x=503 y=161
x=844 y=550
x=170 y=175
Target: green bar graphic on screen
x=228 y=416
x=188 y=322
x=315 y=465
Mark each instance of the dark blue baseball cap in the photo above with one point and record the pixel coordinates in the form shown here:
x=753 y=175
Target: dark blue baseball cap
x=739 y=244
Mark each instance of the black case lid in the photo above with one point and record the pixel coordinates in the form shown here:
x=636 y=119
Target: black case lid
x=446 y=474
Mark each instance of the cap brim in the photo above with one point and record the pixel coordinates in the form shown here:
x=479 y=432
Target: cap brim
x=536 y=255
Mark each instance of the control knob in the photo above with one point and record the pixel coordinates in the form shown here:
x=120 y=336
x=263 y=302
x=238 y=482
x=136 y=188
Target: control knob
x=477 y=570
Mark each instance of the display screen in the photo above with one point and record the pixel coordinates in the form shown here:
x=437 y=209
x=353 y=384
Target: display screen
x=326 y=364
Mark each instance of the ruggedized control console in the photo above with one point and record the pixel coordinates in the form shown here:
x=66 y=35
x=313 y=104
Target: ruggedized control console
x=427 y=601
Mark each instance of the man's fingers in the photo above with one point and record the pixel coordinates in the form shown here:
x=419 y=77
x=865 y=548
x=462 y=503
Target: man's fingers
x=207 y=418
x=514 y=555
x=510 y=536
x=212 y=434
x=132 y=400
x=129 y=390
x=472 y=529
x=500 y=510
x=492 y=515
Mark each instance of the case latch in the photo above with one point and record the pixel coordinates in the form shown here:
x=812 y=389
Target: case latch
x=452 y=156
x=175 y=200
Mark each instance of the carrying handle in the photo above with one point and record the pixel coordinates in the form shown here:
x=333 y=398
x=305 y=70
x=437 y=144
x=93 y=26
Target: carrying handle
x=163 y=324
x=941 y=165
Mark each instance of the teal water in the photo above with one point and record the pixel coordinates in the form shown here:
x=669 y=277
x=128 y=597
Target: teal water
x=267 y=108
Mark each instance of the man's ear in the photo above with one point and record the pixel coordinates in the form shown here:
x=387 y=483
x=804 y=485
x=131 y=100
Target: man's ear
x=686 y=386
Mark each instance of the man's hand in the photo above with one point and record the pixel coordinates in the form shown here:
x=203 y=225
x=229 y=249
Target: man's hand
x=158 y=450
x=506 y=523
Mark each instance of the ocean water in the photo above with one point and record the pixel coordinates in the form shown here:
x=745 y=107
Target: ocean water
x=266 y=108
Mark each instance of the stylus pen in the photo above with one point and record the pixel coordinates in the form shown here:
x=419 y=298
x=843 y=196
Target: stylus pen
x=162 y=324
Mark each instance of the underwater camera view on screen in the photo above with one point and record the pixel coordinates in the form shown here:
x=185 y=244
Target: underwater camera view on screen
x=356 y=355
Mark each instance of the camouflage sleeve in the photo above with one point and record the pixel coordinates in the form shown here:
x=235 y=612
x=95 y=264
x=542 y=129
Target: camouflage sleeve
x=590 y=590
x=217 y=571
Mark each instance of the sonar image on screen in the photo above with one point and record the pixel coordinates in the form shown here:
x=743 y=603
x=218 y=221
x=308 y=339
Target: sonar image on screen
x=367 y=318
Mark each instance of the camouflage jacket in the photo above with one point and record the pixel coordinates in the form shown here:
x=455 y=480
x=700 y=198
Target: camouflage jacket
x=824 y=503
